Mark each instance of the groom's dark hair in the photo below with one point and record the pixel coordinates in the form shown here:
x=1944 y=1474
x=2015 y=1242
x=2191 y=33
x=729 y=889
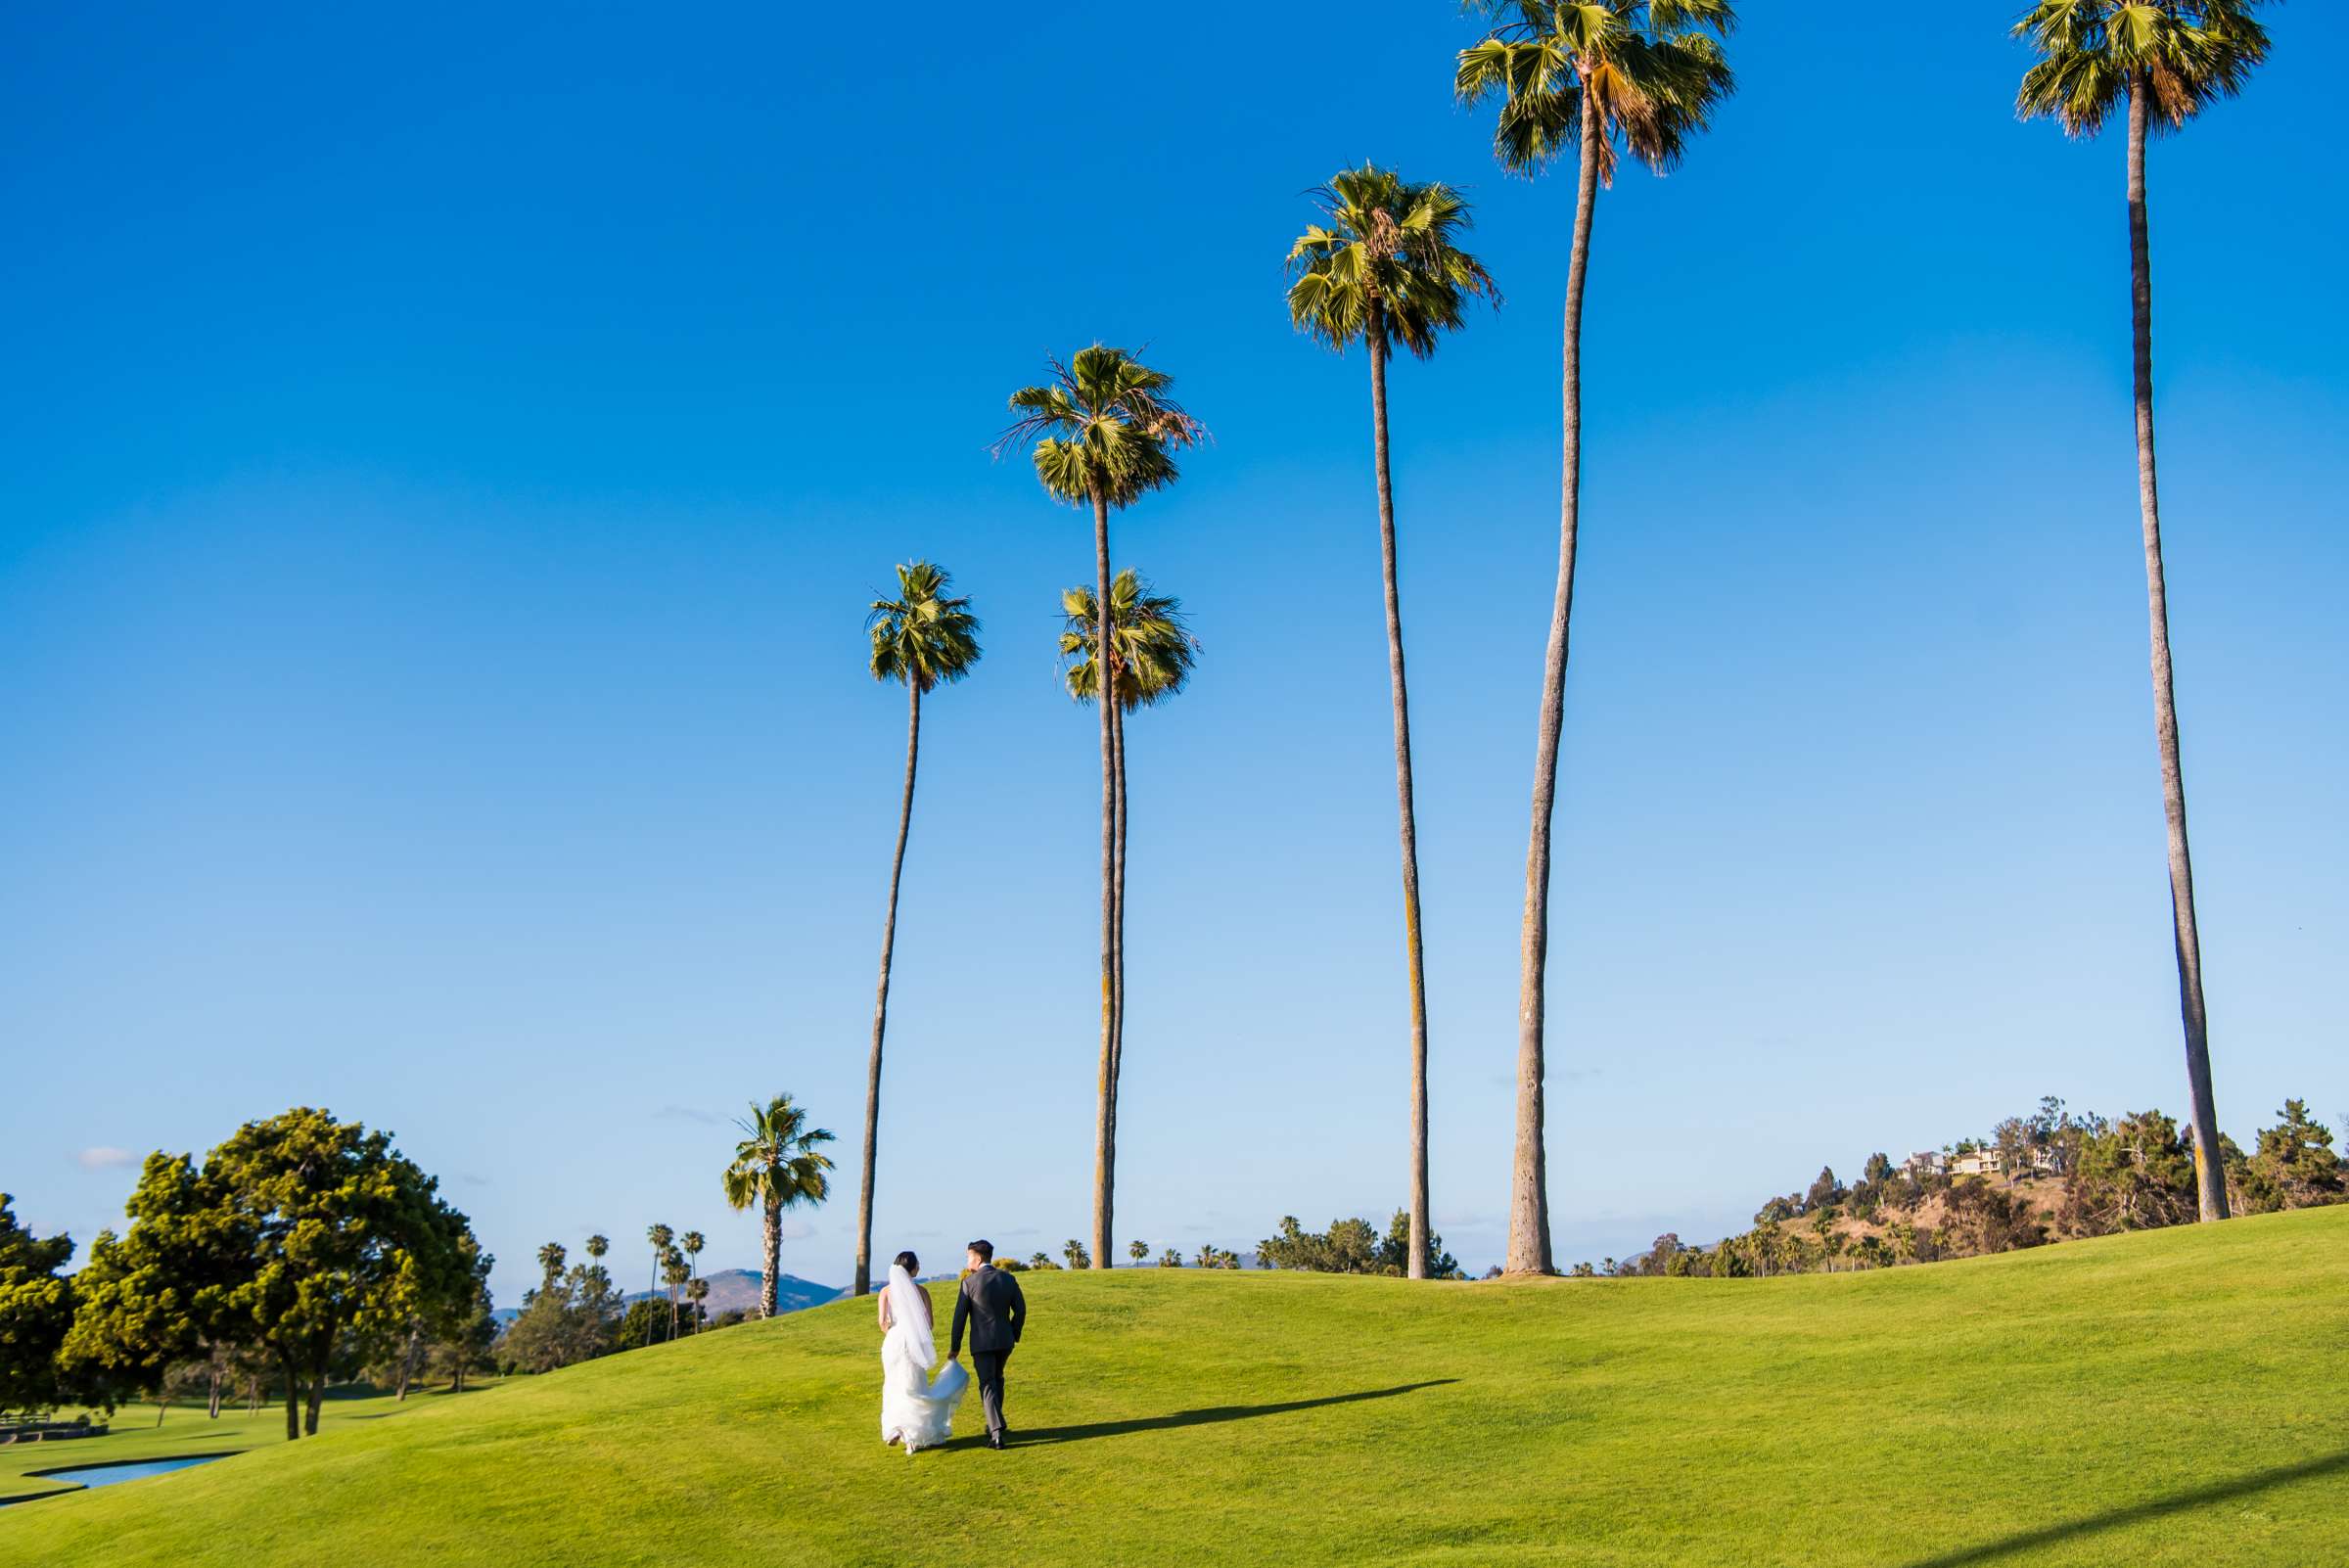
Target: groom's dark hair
x=985 y=1249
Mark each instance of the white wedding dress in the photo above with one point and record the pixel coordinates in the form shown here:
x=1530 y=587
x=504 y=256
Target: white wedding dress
x=915 y=1411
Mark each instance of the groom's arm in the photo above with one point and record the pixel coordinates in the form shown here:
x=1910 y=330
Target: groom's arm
x=1019 y=1308
x=962 y=1311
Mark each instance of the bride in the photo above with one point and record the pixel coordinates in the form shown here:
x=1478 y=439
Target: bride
x=914 y=1410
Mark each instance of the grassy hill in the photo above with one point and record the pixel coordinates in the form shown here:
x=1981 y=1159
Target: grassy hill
x=2174 y=1398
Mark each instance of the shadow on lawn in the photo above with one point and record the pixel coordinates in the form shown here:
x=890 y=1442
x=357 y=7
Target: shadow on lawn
x=1205 y=1416
x=2242 y=1486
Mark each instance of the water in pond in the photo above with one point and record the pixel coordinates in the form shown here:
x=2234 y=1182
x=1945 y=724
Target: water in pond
x=105 y=1475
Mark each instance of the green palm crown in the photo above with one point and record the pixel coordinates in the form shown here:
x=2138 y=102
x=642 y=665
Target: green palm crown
x=1651 y=69
x=1151 y=648
x=924 y=636
x=1103 y=425
x=1384 y=260
x=780 y=1163
x=2191 y=53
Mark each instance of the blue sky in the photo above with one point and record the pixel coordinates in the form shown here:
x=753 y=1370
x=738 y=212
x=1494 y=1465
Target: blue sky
x=448 y=459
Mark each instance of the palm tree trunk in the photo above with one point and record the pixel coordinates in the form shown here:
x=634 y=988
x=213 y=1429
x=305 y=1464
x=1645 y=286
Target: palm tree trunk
x=1105 y=1132
x=2210 y=1177
x=1529 y=1185
x=888 y=938
x=1414 y=974
x=1116 y=999
x=774 y=1243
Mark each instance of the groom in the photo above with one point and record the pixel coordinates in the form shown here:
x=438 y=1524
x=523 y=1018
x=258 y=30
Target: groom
x=990 y=1302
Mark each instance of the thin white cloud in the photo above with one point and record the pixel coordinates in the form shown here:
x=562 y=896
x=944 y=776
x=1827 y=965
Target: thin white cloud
x=103 y=1157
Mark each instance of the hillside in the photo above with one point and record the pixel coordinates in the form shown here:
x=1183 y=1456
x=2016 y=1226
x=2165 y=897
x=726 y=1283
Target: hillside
x=2177 y=1397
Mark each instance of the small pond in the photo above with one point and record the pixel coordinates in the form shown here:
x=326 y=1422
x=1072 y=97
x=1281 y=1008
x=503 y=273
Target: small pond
x=105 y=1475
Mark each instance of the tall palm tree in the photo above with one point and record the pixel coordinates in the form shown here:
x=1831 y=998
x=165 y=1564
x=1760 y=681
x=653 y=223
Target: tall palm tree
x=659 y=1236
x=1383 y=270
x=596 y=1247
x=1152 y=653
x=551 y=1259
x=2166 y=59
x=780 y=1165
x=1102 y=431
x=923 y=638
x=674 y=1273
x=1599 y=77
x=691 y=1244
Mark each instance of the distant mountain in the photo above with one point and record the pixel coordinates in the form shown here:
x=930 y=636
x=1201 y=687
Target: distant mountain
x=732 y=1290
x=737 y=1290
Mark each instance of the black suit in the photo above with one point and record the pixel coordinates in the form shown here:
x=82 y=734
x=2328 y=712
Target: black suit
x=991 y=1305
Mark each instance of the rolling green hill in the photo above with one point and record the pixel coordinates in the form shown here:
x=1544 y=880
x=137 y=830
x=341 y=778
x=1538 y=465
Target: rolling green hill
x=2180 y=1397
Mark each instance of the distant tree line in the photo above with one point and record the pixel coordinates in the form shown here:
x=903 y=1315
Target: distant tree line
x=2081 y=1175
x=1354 y=1246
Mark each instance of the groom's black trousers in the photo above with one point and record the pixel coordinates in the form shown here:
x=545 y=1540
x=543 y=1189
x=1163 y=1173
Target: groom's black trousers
x=989 y=1367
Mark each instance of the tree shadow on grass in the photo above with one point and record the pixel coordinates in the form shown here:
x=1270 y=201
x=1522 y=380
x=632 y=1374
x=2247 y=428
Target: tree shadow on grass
x=1206 y=1415
x=2241 y=1486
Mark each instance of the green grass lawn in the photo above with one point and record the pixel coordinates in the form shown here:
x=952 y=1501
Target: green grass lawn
x=2181 y=1396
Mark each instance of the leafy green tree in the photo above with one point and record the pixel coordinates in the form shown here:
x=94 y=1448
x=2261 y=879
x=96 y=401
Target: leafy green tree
x=1825 y=1191
x=465 y=1336
x=780 y=1165
x=2294 y=1166
x=1396 y=1252
x=1152 y=653
x=573 y=1317
x=36 y=1312
x=1103 y=431
x=158 y=1293
x=300 y=1233
x=2135 y=1175
x=923 y=638
x=2166 y=61
x=1599 y=76
x=1384 y=268
x=1877 y=1171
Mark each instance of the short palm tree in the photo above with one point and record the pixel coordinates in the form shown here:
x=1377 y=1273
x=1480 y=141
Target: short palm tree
x=659 y=1236
x=1384 y=269
x=697 y=1292
x=923 y=638
x=780 y=1165
x=1102 y=431
x=1152 y=653
x=1598 y=78
x=2166 y=61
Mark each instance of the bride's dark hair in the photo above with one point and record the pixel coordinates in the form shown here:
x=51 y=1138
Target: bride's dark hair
x=909 y=1263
